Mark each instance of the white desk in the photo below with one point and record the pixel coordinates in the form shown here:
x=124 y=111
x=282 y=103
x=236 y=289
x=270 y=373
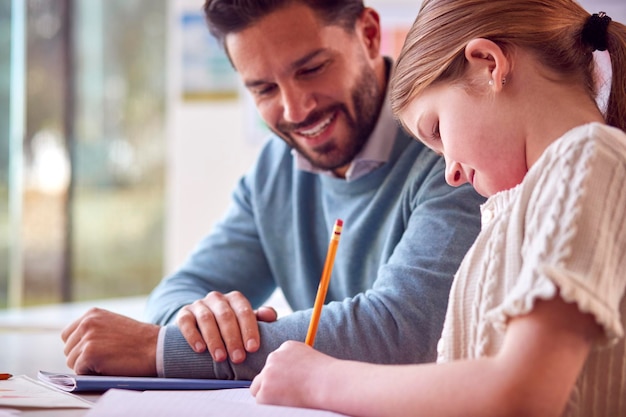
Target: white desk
x=30 y=340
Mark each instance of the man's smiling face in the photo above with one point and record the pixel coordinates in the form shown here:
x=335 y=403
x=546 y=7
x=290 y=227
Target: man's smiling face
x=314 y=85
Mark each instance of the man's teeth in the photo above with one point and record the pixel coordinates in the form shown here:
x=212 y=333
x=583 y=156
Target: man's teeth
x=316 y=130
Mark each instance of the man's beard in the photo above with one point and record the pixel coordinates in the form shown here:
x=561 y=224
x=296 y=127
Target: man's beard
x=366 y=102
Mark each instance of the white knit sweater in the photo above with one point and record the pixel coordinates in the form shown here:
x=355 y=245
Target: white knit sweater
x=563 y=228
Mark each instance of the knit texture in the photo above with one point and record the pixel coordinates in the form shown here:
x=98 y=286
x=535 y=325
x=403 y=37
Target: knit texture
x=562 y=230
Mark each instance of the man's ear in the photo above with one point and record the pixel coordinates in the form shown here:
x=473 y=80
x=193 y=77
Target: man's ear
x=487 y=59
x=368 y=27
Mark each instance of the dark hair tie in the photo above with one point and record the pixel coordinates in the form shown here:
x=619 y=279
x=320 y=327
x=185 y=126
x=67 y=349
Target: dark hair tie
x=595 y=31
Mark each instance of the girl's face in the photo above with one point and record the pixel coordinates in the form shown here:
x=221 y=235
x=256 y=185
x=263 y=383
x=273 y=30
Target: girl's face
x=476 y=133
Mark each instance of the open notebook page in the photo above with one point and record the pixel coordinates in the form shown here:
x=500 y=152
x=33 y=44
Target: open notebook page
x=222 y=403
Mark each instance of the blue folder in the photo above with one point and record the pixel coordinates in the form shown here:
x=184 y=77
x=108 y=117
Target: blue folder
x=98 y=383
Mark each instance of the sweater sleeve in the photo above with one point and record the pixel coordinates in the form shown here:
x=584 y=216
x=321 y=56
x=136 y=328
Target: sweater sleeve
x=399 y=319
x=216 y=263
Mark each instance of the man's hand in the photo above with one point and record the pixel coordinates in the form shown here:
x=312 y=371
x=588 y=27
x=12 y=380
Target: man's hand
x=106 y=343
x=223 y=323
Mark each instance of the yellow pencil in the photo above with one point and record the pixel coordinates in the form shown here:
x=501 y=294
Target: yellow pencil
x=324 y=281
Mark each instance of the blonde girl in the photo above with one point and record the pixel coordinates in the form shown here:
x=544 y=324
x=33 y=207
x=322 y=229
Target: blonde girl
x=506 y=90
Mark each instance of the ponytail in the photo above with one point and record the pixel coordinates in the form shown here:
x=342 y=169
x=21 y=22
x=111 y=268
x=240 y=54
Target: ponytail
x=616 y=47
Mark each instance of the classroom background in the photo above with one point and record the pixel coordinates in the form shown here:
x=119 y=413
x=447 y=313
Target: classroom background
x=123 y=130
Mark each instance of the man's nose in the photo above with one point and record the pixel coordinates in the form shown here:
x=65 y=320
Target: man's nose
x=297 y=103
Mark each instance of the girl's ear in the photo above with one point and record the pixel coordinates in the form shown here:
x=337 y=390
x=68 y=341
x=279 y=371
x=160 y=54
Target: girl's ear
x=488 y=61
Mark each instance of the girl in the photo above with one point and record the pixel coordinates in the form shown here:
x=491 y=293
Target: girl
x=506 y=91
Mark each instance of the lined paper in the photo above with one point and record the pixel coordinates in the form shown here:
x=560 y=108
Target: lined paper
x=222 y=403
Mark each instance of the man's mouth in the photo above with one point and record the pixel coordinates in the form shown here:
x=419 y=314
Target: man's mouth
x=317 y=128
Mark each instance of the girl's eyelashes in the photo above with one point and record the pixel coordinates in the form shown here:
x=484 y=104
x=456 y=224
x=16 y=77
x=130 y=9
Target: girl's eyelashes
x=436 y=135
x=435 y=140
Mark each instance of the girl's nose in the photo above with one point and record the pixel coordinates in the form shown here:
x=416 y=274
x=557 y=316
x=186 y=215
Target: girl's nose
x=454 y=174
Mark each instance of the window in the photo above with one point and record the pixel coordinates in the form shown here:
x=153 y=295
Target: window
x=89 y=222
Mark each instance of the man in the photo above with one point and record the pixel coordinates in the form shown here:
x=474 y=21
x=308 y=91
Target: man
x=319 y=81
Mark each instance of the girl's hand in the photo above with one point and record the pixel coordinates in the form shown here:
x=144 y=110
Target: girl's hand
x=291 y=376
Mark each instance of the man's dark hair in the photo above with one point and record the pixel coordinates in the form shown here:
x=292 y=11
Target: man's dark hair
x=230 y=16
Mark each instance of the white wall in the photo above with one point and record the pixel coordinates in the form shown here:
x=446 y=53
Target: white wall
x=208 y=150
x=206 y=155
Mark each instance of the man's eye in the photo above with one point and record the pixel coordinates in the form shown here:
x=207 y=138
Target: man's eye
x=264 y=90
x=312 y=70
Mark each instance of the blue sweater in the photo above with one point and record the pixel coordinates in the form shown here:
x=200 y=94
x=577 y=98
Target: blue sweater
x=405 y=233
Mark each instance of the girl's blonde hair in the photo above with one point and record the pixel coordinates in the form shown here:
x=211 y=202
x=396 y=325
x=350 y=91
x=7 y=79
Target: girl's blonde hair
x=552 y=29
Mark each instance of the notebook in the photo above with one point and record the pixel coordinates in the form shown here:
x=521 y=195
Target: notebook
x=98 y=383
